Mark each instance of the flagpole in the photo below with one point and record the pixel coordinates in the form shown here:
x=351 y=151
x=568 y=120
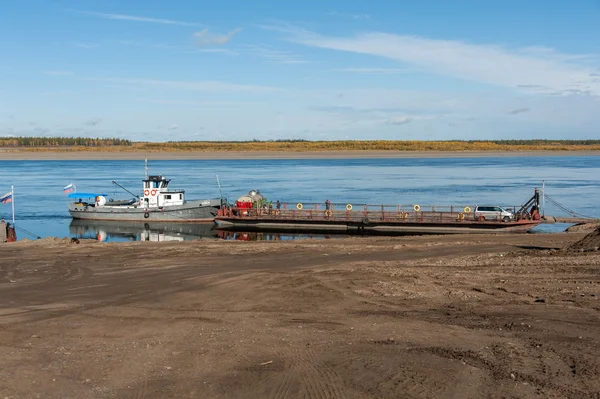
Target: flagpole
x=12 y=194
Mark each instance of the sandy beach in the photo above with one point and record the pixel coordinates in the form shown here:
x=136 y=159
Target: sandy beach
x=236 y=155
x=429 y=317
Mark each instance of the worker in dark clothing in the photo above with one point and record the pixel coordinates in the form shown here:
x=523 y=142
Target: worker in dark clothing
x=327 y=205
x=278 y=205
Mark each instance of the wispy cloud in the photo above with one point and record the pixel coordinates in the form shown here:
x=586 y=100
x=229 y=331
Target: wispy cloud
x=518 y=111
x=400 y=120
x=93 y=122
x=211 y=50
x=275 y=56
x=174 y=126
x=136 y=18
x=86 y=45
x=516 y=68
x=205 y=38
x=207 y=85
x=57 y=73
x=384 y=71
x=195 y=103
x=346 y=15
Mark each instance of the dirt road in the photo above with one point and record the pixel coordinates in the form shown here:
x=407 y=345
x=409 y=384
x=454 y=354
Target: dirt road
x=422 y=317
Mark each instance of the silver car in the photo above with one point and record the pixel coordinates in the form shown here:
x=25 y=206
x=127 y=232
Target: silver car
x=492 y=212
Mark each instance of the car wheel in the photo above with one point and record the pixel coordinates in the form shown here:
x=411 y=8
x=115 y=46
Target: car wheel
x=506 y=219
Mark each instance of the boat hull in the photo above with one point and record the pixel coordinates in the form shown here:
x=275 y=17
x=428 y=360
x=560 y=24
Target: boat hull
x=372 y=227
x=190 y=212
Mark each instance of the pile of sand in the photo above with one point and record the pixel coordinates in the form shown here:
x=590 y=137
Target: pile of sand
x=583 y=228
x=590 y=242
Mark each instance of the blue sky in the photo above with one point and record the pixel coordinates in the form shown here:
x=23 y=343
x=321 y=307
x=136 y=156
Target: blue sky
x=243 y=70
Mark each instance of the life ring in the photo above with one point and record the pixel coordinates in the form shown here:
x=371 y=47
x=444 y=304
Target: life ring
x=349 y=207
x=146 y=215
x=417 y=208
x=328 y=213
x=467 y=209
x=146 y=193
x=153 y=192
x=299 y=206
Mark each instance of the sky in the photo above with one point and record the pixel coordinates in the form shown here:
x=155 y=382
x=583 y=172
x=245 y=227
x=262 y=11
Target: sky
x=316 y=70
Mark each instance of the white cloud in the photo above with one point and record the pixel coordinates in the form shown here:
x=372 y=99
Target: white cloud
x=275 y=56
x=548 y=70
x=205 y=38
x=207 y=85
x=135 y=18
x=174 y=126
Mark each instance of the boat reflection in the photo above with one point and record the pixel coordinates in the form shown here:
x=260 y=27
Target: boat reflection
x=262 y=236
x=123 y=231
x=113 y=231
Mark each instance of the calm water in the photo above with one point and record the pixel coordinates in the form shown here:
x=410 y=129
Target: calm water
x=41 y=206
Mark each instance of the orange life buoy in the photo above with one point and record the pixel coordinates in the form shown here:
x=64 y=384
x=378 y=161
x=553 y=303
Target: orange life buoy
x=153 y=193
x=146 y=193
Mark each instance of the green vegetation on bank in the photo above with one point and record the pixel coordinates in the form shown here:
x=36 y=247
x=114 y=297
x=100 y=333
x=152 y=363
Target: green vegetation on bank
x=114 y=144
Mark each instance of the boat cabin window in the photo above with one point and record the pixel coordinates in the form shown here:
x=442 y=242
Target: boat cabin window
x=168 y=196
x=180 y=196
x=146 y=184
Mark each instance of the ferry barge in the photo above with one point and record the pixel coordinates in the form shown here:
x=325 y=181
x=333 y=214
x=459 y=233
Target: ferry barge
x=364 y=219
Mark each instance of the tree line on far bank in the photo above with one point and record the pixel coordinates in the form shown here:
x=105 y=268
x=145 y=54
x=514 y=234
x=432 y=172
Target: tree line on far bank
x=297 y=145
x=61 y=142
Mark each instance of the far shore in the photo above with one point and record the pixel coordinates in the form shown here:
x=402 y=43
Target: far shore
x=6 y=154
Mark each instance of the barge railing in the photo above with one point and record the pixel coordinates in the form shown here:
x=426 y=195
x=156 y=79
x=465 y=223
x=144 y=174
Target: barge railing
x=359 y=213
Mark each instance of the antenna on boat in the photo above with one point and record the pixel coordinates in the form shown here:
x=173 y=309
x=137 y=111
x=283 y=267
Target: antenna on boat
x=146 y=167
x=219 y=184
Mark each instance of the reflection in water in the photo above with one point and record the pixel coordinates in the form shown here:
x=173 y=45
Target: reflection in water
x=117 y=231
x=140 y=231
x=262 y=236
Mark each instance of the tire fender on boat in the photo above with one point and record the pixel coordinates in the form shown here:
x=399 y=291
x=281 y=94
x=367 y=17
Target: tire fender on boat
x=146 y=215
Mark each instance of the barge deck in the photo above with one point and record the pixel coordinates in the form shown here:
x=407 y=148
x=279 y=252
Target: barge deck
x=369 y=220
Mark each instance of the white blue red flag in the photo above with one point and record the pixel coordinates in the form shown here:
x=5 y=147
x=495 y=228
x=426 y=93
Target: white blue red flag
x=69 y=188
x=6 y=198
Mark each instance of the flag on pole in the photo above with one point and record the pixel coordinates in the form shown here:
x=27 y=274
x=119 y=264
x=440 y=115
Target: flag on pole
x=69 y=188
x=6 y=198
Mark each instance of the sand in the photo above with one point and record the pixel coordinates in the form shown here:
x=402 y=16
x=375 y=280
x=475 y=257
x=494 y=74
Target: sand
x=428 y=317
x=197 y=155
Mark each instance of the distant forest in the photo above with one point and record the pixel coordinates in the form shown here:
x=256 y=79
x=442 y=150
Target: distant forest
x=292 y=145
x=61 y=142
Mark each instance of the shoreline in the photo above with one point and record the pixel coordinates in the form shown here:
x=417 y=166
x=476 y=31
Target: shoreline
x=11 y=155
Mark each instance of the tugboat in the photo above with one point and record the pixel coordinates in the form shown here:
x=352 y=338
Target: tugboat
x=158 y=203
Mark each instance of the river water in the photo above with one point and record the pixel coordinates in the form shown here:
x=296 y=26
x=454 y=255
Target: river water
x=41 y=206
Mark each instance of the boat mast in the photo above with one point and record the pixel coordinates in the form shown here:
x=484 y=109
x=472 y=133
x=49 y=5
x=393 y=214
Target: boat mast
x=220 y=191
x=543 y=197
x=12 y=196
